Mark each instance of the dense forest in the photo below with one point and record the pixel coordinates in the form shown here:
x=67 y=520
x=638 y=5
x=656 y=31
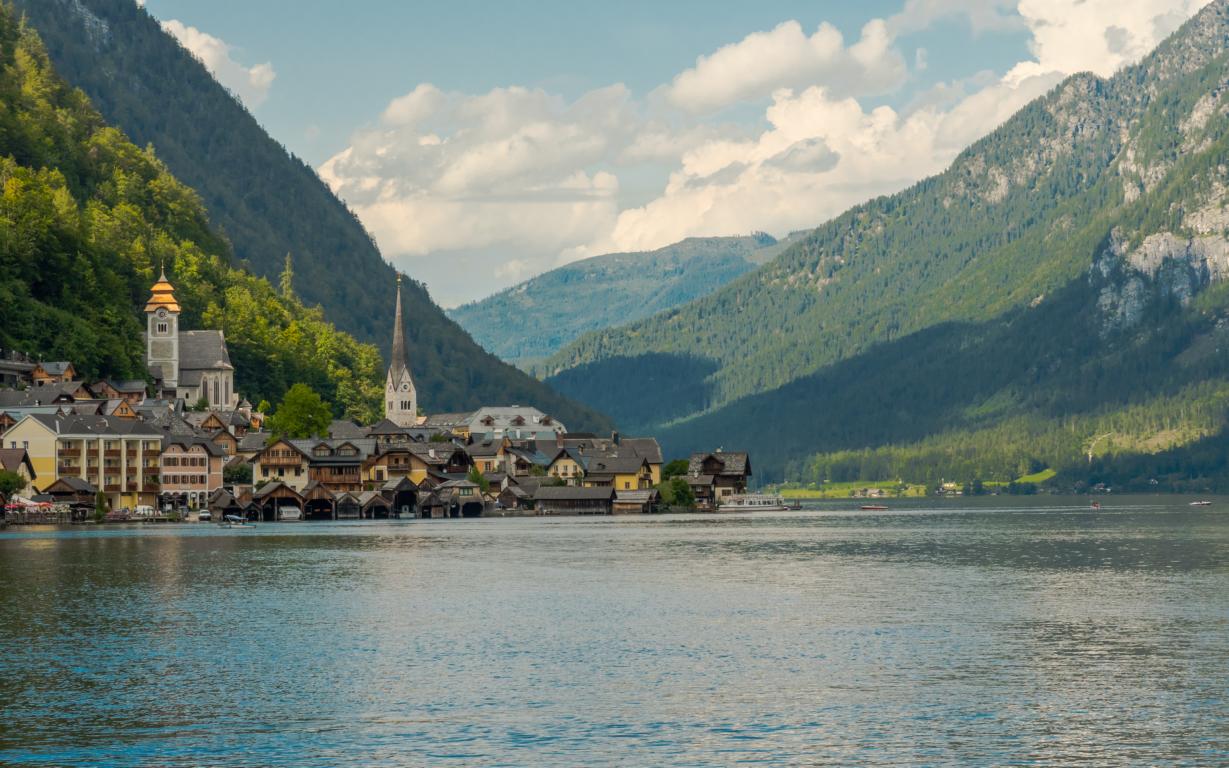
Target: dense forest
x=87 y=219
x=266 y=203
x=533 y=319
x=1063 y=279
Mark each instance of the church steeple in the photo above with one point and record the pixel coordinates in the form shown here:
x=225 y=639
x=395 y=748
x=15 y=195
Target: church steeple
x=400 y=398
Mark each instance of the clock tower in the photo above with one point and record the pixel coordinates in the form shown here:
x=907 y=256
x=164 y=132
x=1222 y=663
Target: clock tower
x=162 y=334
x=400 y=398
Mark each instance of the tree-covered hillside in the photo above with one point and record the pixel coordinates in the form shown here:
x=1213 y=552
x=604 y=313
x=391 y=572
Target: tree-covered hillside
x=266 y=202
x=534 y=319
x=1062 y=280
x=87 y=219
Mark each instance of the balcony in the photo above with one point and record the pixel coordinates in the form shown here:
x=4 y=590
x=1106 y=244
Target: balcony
x=70 y=453
x=69 y=470
x=112 y=454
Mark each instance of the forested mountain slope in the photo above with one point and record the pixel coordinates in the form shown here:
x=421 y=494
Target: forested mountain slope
x=1062 y=280
x=996 y=230
x=87 y=219
x=265 y=201
x=535 y=318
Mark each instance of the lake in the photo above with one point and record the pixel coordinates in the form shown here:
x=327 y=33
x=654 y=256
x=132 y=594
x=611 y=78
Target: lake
x=1000 y=632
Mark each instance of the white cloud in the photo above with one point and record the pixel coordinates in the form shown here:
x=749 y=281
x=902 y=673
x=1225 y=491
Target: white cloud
x=250 y=84
x=521 y=180
x=786 y=57
x=1099 y=36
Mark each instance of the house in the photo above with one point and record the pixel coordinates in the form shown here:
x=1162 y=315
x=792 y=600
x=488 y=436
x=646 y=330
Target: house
x=110 y=389
x=17 y=461
x=513 y=421
x=569 y=500
x=490 y=456
x=438 y=459
x=388 y=464
x=271 y=498
x=623 y=473
x=568 y=465
x=337 y=464
x=281 y=461
x=191 y=471
x=121 y=457
x=52 y=373
x=226 y=442
x=715 y=476
x=463 y=497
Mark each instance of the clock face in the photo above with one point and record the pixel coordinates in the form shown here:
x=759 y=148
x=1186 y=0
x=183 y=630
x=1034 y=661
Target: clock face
x=161 y=313
x=405 y=386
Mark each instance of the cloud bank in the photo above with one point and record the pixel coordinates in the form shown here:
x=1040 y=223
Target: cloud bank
x=529 y=180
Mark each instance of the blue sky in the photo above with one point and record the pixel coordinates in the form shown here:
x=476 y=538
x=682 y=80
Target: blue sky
x=482 y=143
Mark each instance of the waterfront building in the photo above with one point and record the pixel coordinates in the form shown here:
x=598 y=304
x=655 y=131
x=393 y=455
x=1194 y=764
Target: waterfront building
x=400 y=396
x=190 y=365
x=568 y=500
x=623 y=473
x=337 y=465
x=281 y=461
x=191 y=471
x=120 y=457
x=715 y=476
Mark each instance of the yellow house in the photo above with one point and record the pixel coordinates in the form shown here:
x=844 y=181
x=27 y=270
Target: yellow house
x=623 y=473
x=568 y=467
x=119 y=457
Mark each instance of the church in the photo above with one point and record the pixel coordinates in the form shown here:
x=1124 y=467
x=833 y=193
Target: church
x=400 y=397
x=186 y=364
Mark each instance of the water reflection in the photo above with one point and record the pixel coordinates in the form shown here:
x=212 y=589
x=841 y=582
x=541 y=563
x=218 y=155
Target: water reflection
x=963 y=635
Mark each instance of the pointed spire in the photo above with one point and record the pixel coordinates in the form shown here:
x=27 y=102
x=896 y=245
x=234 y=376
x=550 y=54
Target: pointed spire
x=398 y=358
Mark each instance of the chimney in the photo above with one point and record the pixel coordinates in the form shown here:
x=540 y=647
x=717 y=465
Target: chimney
x=431 y=452
x=558 y=439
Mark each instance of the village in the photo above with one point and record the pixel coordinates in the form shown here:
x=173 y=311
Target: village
x=184 y=445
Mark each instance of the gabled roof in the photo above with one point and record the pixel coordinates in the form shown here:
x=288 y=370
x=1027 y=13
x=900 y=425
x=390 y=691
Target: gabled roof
x=270 y=488
x=202 y=351
x=68 y=484
x=254 y=441
x=56 y=367
x=572 y=493
x=11 y=460
x=616 y=465
x=732 y=462
x=344 y=429
x=129 y=387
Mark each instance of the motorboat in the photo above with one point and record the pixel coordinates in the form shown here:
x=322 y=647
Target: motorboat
x=1202 y=503
x=873 y=508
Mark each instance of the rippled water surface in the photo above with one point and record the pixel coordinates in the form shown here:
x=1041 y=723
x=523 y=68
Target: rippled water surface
x=951 y=635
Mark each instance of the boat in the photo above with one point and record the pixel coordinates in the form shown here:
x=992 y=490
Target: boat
x=873 y=508
x=1202 y=503
x=234 y=521
x=753 y=502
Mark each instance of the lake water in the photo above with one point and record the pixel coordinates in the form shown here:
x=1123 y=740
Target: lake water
x=956 y=634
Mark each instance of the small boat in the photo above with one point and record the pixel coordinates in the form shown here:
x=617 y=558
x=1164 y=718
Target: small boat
x=1201 y=503
x=873 y=508
x=234 y=521
x=753 y=502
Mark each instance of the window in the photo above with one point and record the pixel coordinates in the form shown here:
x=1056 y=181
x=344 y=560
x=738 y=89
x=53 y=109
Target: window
x=626 y=485
x=162 y=328
x=25 y=444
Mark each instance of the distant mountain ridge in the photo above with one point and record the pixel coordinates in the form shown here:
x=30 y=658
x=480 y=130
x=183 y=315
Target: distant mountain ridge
x=266 y=201
x=534 y=319
x=1062 y=280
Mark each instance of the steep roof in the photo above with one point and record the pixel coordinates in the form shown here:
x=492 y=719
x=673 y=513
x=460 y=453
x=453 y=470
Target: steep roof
x=162 y=295
x=571 y=493
x=55 y=368
x=95 y=425
x=202 y=351
x=11 y=460
x=732 y=462
x=344 y=429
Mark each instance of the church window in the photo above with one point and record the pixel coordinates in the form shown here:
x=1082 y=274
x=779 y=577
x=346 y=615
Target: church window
x=161 y=327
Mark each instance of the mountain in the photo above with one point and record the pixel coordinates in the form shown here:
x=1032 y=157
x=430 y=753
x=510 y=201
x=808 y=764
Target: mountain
x=1060 y=281
x=535 y=318
x=266 y=202
x=87 y=220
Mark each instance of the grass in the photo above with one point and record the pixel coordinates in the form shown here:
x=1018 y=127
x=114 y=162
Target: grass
x=1037 y=477
x=892 y=488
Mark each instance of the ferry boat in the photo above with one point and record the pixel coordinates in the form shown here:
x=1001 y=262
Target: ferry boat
x=753 y=502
